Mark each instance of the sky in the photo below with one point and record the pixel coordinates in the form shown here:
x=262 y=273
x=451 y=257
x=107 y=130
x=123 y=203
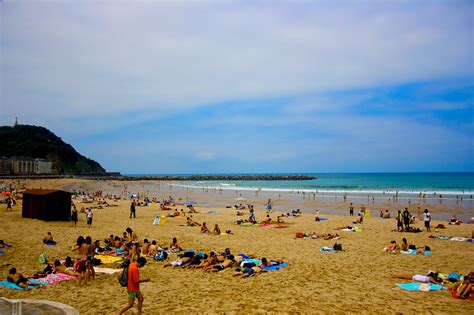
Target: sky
x=179 y=87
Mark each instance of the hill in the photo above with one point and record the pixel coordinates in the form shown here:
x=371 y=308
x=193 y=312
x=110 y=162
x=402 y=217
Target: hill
x=39 y=142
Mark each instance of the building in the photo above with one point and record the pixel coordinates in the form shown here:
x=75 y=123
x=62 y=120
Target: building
x=5 y=165
x=43 y=166
x=47 y=205
x=25 y=165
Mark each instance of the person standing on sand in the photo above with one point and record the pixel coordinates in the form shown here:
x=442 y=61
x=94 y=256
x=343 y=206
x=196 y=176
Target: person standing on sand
x=427 y=219
x=133 y=209
x=133 y=285
x=351 y=210
x=89 y=217
x=74 y=216
x=406 y=219
x=399 y=221
x=9 y=203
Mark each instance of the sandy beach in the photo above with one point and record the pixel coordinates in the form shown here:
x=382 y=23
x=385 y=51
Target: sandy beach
x=356 y=280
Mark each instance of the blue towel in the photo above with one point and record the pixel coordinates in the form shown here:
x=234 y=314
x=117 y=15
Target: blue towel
x=2 y=252
x=11 y=285
x=275 y=267
x=416 y=286
x=327 y=250
x=50 y=243
x=255 y=261
x=244 y=256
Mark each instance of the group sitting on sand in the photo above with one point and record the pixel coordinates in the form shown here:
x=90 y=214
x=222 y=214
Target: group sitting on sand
x=213 y=262
x=395 y=248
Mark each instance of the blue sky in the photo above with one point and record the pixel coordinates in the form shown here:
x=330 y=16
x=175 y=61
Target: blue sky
x=241 y=86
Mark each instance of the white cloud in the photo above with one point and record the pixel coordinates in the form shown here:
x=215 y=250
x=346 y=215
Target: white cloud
x=89 y=59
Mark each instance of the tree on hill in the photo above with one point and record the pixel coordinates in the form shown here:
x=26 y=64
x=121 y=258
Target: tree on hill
x=39 y=142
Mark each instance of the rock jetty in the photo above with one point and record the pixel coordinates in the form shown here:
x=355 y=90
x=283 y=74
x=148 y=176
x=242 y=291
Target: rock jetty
x=109 y=176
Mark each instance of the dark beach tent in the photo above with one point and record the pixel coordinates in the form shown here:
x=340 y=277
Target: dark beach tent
x=47 y=205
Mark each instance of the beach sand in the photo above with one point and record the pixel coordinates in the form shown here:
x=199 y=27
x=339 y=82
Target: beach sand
x=356 y=280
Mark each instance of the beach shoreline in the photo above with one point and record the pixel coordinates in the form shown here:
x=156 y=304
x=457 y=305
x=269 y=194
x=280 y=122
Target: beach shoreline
x=356 y=280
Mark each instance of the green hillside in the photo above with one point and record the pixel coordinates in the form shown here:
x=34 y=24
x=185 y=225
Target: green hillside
x=39 y=142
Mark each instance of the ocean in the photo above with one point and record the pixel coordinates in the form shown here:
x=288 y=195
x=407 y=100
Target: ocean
x=449 y=185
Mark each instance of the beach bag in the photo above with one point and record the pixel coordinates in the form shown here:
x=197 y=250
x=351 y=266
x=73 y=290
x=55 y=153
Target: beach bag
x=299 y=234
x=161 y=255
x=96 y=262
x=412 y=246
x=454 y=277
x=123 y=278
x=337 y=246
x=43 y=258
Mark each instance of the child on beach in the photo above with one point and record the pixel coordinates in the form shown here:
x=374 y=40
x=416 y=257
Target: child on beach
x=48 y=239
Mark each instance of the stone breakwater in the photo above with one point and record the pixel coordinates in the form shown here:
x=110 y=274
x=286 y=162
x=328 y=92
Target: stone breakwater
x=219 y=177
x=169 y=177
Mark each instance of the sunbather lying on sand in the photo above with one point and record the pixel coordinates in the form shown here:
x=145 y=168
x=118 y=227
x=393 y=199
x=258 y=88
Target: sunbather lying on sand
x=432 y=277
x=392 y=248
x=228 y=262
x=61 y=268
x=20 y=280
x=178 y=262
x=247 y=272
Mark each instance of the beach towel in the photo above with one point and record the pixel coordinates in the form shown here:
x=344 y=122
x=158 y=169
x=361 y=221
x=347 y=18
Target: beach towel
x=159 y=220
x=106 y=259
x=244 y=256
x=323 y=219
x=414 y=286
x=54 y=278
x=273 y=226
x=250 y=260
x=213 y=212
x=354 y=229
x=50 y=243
x=106 y=270
x=275 y=267
x=11 y=285
x=326 y=249
x=459 y=239
x=2 y=252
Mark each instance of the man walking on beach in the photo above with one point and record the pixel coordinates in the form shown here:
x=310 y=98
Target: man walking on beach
x=133 y=285
x=132 y=209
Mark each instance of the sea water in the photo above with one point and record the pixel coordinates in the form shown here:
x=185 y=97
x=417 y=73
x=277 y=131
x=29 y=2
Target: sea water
x=450 y=185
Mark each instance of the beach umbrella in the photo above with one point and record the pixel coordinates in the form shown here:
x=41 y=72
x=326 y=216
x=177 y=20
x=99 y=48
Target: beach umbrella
x=240 y=199
x=189 y=202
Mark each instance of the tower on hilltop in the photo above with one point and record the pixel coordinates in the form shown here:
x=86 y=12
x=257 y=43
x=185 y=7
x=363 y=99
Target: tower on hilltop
x=16 y=122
